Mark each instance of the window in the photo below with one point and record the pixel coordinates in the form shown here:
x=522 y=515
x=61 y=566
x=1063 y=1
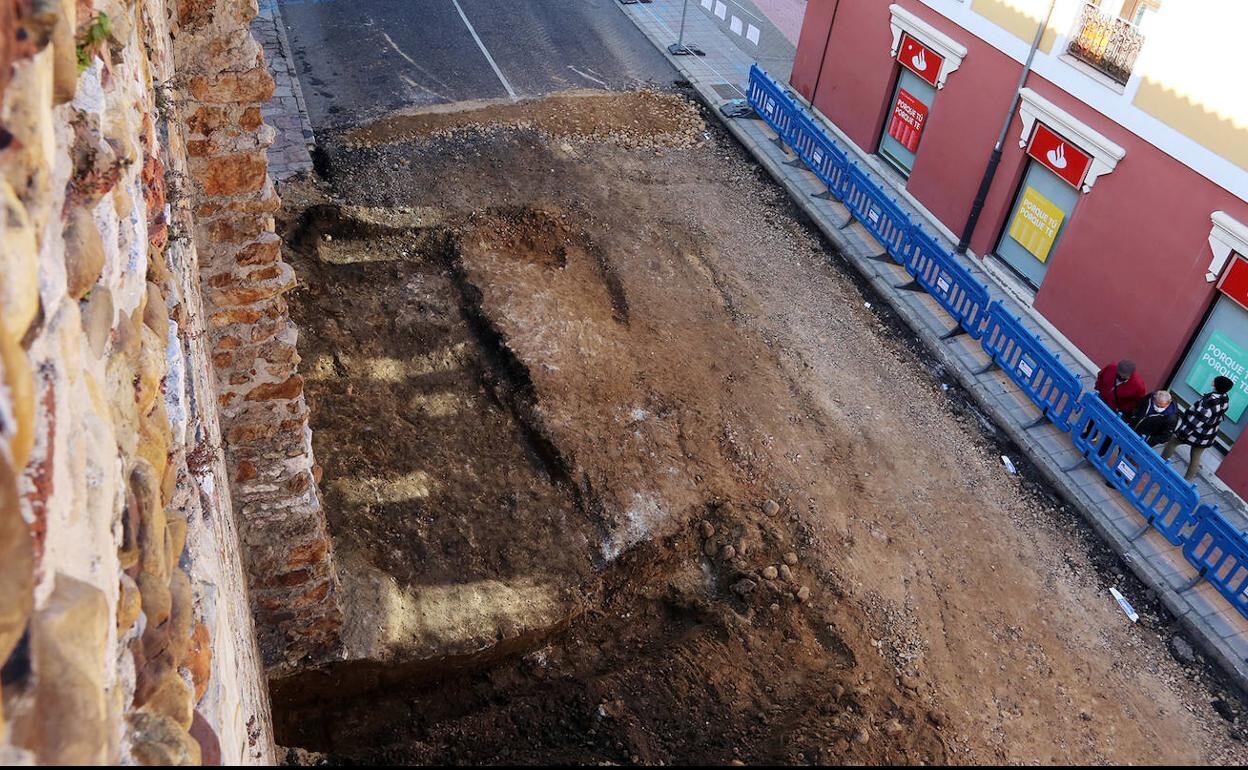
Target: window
x=1111 y=43
x=907 y=116
x=1219 y=348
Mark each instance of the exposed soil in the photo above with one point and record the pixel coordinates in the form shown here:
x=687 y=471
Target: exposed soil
x=622 y=467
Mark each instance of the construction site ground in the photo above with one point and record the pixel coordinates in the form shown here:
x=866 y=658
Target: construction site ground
x=623 y=464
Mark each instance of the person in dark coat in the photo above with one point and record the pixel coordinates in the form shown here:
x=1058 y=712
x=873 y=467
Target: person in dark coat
x=1155 y=418
x=1120 y=386
x=1199 y=426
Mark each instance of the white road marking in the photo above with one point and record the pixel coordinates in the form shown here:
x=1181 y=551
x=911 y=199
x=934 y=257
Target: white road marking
x=398 y=50
x=599 y=81
x=501 y=78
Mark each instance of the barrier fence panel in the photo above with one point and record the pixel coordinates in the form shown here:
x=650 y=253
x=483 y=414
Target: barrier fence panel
x=831 y=166
x=1034 y=368
x=771 y=102
x=1219 y=552
x=1164 y=498
x=949 y=283
x=882 y=218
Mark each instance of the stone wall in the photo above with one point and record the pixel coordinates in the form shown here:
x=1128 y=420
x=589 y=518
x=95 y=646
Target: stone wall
x=294 y=586
x=125 y=631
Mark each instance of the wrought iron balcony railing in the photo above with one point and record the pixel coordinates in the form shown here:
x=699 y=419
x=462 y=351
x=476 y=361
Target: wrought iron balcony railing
x=1106 y=42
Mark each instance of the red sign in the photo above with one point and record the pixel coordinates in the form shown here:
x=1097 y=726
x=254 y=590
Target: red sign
x=909 y=115
x=1234 y=283
x=919 y=59
x=1058 y=155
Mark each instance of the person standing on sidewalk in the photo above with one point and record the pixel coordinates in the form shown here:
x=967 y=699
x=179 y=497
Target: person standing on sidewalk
x=1199 y=426
x=1155 y=418
x=1120 y=386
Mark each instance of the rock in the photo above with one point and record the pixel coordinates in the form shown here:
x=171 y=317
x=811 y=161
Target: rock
x=710 y=548
x=771 y=507
x=744 y=587
x=910 y=682
x=206 y=737
x=69 y=643
x=838 y=690
x=1182 y=651
x=742 y=547
x=892 y=727
x=198 y=660
x=16 y=562
x=84 y=252
x=708 y=529
x=862 y=736
x=802 y=593
x=97 y=319
x=786 y=574
x=172 y=698
x=158 y=740
x=936 y=717
x=774 y=607
x=770 y=572
x=727 y=553
x=128 y=604
x=790 y=558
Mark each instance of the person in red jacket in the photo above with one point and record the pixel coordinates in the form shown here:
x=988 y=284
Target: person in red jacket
x=1121 y=386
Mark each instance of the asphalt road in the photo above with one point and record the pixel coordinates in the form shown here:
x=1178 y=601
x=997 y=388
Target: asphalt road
x=359 y=59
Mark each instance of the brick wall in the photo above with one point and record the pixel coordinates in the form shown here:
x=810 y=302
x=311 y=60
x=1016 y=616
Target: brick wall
x=294 y=586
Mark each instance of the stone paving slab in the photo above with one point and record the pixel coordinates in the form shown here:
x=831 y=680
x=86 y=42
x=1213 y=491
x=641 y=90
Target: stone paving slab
x=1219 y=630
x=286 y=112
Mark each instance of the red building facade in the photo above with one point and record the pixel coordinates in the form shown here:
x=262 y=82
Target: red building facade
x=1120 y=241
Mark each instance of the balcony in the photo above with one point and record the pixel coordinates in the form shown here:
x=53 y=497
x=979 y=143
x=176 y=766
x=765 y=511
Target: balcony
x=1106 y=42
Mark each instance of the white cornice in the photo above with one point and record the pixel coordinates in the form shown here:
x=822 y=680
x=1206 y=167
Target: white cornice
x=1105 y=153
x=1228 y=235
x=950 y=50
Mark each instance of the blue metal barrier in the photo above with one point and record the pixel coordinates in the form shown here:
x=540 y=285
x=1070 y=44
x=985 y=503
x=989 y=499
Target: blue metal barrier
x=770 y=101
x=1164 y=498
x=949 y=283
x=882 y=218
x=820 y=153
x=1220 y=555
x=1034 y=368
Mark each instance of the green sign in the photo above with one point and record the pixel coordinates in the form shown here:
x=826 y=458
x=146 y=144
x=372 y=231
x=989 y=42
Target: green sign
x=1223 y=357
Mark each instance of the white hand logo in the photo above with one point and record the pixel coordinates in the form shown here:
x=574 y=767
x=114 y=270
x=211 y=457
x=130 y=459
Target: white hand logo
x=1057 y=156
x=919 y=61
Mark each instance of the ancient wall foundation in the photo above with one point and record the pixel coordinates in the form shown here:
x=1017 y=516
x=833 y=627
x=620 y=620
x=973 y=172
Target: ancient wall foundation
x=294 y=587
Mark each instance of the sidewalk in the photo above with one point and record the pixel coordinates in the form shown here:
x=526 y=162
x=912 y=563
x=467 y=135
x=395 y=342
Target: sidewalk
x=720 y=76
x=286 y=112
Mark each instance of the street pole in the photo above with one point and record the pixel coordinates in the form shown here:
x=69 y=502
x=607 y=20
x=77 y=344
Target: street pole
x=994 y=160
x=679 y=48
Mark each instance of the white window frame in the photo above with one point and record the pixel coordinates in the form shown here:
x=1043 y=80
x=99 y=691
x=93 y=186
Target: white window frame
x=1105 y=153
x=1227 y=236
x=951 y=51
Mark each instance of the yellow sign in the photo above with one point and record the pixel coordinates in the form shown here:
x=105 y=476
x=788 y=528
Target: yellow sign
x=1036 y=223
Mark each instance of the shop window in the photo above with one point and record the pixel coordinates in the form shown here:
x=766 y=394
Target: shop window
x=912 y=100
x=1220 y=347
x=1043 y=205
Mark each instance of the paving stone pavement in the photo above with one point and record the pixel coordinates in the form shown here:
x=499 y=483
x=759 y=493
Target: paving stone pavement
x=720 y=76
x=286 y=112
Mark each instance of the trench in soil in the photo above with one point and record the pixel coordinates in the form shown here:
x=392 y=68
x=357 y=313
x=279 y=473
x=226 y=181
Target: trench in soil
x=542 y=370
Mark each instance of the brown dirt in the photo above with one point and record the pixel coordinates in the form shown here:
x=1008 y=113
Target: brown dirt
x=630 y=118
x=646 y=342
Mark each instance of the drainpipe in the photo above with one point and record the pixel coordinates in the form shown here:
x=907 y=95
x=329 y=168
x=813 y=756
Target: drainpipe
x=995 y=159
x=818 y=75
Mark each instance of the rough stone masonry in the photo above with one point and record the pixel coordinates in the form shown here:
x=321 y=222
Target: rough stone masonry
x=155 y=459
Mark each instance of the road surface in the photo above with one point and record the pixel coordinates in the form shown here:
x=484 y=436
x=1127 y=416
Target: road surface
x=360 y=59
